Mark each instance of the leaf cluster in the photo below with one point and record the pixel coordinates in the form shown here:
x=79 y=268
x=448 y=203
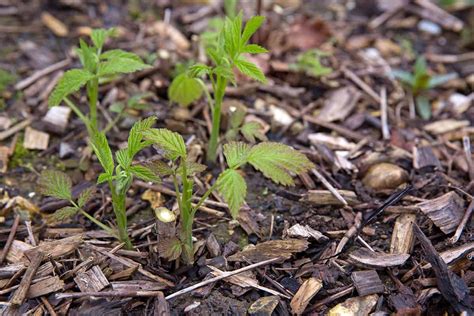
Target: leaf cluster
x=96 y=65
x=226 y=51
x=419 y=81
x=251 y=131
x=310 y=63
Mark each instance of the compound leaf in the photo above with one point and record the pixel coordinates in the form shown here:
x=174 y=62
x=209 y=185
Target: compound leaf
x=135 y=143
x=184 y=90
x=252 y=131
x=277 y=161
x=118 y=53
x=254 y=49
x=85 y=196
x=120 y=66
x=170 y=142
x=231 y=185
x=101 y=148
x=144 y=173
x=65 y=213
x=70 y=82
x=252 y=25
x=56 y=184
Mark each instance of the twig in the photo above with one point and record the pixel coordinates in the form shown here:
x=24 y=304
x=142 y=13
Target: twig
x=48 y=306
x=429 y=10
x=220 y=277
x=450 y=59
x=31 y=235
x=11 y=236
x=41 y=73
x=119 y=293
x=463 y=223
x=331 y=298
x=466 y=142
x=384 y=116
x=328 y=185
x=359 y=82
x=384 y=17
x=20 y=294
x=15 y=129
x=337 y=128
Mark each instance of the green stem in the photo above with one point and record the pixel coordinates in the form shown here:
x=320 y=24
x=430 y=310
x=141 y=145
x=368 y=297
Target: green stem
x=216 y=118
x=93 y=94
x=204 y=198
x=94 y=220
x=78 y=112
x=187 y=215
x=118 y=203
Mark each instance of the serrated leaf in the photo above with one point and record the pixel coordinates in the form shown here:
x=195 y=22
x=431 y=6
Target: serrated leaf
x=199 y=70
x=104 y=177
x=192 y=168
x=65 y=213
x=159 y=168
x=115 y=66
x=184 y=90
x=123 y=181
x=119 y=53
x=101 y=148
x=144 y=173
x=56 y=184
x=226 y=72
x=170 y=142
x=277 y=161
x=237 y=115
x=231 y=185
x=123 y=159
x=135 y=138
x=70 y=82
x=99 y=36
x=236 y=153
x=252 y=25
x=254 y=49
x=85 y=196
x=87 y=56
x=250 y=69
x=252 y=131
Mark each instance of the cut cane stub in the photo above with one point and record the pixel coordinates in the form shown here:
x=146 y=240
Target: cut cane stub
x=165 y=215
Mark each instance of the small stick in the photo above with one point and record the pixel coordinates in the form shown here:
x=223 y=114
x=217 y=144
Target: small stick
x=365 y=243
x=331 y=298
x=450 y=59
x=11 y=236
x=359 y=82
x=384 y=17
x=384 y=116
x=48 y=306
x=338 y=129
x=220 y=277
x=463 y=223
x=467 y=150
x=41 y=73
x=31 y=236
x=20 y=294
x=328 y=185
x=15 y=129
x=109 y=294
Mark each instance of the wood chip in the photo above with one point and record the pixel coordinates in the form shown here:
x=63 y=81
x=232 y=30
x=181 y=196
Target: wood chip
x=367 y=282
x=46 y=286
x=264 y=306
x=57 y=118
x=300 y=231
x=333 y=142
x=339 y=104
x=445 y=211
x=377 y=260
x=20 y=293
x=93 y=280
x=402 y=235
x=305 y=293
x=54 y=24
x=35 y=139
x=445 y=126
x=423 y=157
x=324 y=197
x=271 y=249
x=5 y=153
x=137 y=285
x=58 y=248
x=355 y=306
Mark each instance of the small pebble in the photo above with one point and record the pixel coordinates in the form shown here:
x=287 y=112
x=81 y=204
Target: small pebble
x=429 y=27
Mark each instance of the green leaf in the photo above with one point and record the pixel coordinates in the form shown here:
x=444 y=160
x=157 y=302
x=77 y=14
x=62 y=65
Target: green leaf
x=192 y=167
x=87 y=56
x=277 y=161
x=70 y=82
x=85 y=196
x=441 y=79
x=159 y=168
x=252 y=131
x=254 y=49
x=237 y=115
x=104 y=177
x=231 y=185
x=250 y=69
x=252 y=25
x=65 y=213
x=184 y=90
x=123 y=158
x=226 y=72
x=170 y=142
x=99 y=36
x=101 y=148
x=236 y=154
x=199 y=70
x=144 y=173
x=120 y=66
x=135 y=138
x=404 y=76
x=420 y=66
x=423 y=107
x=121 y=54
x=56 y=184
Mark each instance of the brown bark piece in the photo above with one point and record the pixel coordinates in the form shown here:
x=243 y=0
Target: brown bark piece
x=46 y=286
x=367 y=282
x=324 y=197
x=377 y=260
x=58 y=248
x=35 y=139
x=305 y=293
x=424 y=157
x=339 y=104
x=271 y=249
x=445 y=211
x=20 y=294
x=402 y=235
x=93 y=280
x=161 y=306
